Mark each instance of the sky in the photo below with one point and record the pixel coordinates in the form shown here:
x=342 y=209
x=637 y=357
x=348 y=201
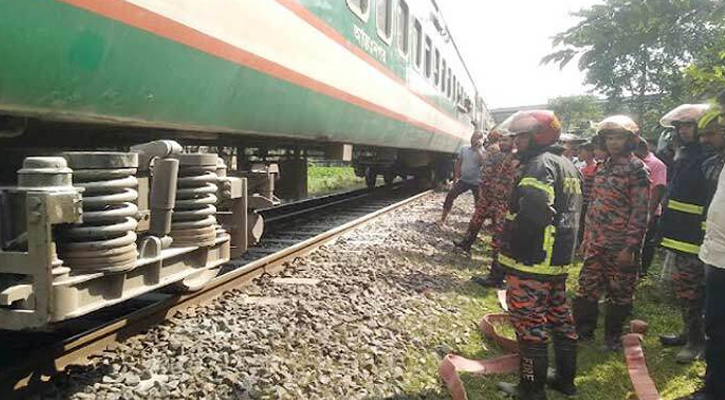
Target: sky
x=503 y=41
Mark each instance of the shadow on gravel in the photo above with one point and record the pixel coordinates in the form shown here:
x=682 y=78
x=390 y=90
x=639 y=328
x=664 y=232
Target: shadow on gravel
x=90 y=376
x=426 y=278
x=452 y=275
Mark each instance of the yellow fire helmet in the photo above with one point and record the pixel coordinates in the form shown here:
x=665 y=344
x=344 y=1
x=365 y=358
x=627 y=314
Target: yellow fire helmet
x=713 y=113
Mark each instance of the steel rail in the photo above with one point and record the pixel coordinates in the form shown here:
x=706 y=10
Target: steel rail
x=45 y=362
x=298 y=208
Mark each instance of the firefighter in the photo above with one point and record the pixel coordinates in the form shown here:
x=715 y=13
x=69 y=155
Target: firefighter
x=616 y=221
x=498 y=175
x=712 y=253
x=682 y=233
x=658 y=187
x=489 y=194
x=538 y=245
x=467 y=173
x=713 y=138
x=491 y=143
x=587 y=152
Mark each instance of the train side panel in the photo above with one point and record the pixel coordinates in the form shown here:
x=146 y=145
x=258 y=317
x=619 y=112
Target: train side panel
x=267 y=68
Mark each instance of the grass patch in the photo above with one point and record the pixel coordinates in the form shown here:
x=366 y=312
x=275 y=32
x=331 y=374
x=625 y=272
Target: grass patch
x=325 y=180
x=454 y=328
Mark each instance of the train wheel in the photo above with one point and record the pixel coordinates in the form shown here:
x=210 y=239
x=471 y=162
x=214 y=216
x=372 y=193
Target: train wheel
x=371 y=178
x=389 y=176
x=426 y=177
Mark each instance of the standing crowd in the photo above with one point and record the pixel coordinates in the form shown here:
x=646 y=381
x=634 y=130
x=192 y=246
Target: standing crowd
x=612 y=203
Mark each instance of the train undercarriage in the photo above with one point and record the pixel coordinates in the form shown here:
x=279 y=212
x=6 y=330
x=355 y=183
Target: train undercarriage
x=93 y=215
x=428 y=168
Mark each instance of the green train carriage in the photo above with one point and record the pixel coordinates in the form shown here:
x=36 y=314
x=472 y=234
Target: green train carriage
x=383 y=76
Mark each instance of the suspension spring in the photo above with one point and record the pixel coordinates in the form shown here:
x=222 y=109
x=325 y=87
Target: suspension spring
x=106 y=240
x=194 y=218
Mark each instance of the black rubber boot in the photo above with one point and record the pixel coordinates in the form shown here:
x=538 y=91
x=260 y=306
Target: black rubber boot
x=562 y=379
x=533 y=364
x=467 y=241
x=699 y=395
x=586 y=313
x=614 y=325
x=495 y=277
x=488 y=281
x=680 y=339
x=695 y=346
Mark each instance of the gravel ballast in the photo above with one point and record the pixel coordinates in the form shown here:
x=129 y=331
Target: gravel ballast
x=342 y=323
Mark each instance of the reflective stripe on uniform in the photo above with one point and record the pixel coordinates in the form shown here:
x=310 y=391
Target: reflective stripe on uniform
x=533 y=269
x=680 y=246
x=533 y=182
x=549 y=237
x=685 y=207
x=704 y=225
x=544 y=268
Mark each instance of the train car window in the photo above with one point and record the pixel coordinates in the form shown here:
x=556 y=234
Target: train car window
x=443 y=77
x=403 y=27
x=437 y=68
x=384 y=18
x=428 y=57
x=361 y=8
x=450 y=82
x=417 y=44
x=453 y=89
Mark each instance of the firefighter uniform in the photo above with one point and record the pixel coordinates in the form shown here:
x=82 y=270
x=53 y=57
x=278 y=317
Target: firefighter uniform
x=497 y=179
x=683 y=231
x=495 y=193
x=538 y=246
x=712 y=253
x=616 y=219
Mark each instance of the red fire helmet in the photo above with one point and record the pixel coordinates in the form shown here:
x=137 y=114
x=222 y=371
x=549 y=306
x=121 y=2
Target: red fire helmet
x=544 y=126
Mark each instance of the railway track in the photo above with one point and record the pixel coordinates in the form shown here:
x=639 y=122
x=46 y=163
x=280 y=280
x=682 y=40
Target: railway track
x=293 y=230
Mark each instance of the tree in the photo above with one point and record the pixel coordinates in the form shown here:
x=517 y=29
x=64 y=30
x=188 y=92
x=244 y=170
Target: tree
x=637 y=49
x=577 y=113
x=706 y=76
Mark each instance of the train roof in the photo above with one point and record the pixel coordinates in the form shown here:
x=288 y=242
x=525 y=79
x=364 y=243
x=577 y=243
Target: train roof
x=455 y=45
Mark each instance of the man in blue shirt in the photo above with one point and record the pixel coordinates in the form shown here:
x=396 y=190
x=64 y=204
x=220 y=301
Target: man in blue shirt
x=467 y=173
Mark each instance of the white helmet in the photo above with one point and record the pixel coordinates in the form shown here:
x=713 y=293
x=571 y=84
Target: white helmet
x=619 y=123
x=685 y=113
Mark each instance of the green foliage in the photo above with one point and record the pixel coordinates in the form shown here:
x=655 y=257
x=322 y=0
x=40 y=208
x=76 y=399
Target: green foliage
x=323 y=180
x=637 y=49
x=577 y=113
x=607 y=372
x=707 y=76
x=601 y=375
